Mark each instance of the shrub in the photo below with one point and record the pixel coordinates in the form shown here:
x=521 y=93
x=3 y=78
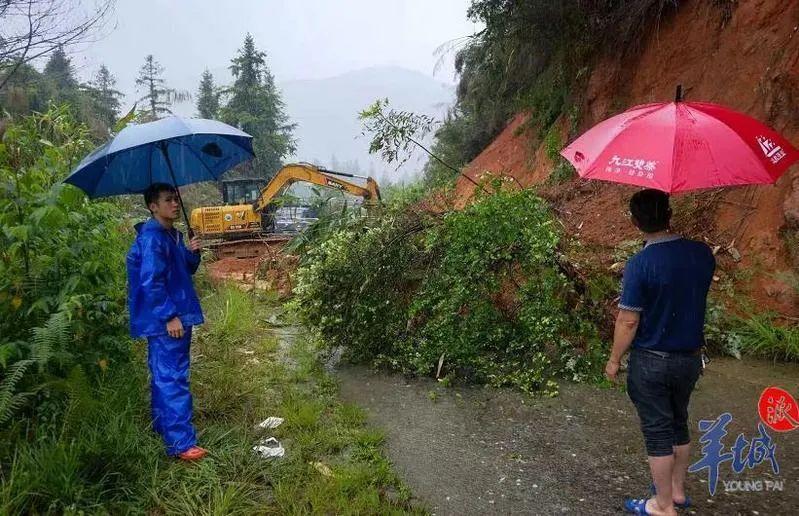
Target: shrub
x=759 y=335
x=481 y=288
x=355 y=286
x=62 y=281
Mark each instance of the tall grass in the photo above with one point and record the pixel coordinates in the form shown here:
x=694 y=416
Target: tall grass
x=99 y=460
x=760 y=335
x=105 y=459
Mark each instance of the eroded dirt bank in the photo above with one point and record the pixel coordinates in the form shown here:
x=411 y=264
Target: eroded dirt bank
x=744 y=55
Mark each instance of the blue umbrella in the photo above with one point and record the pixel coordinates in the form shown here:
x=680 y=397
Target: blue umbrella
x=171 y=150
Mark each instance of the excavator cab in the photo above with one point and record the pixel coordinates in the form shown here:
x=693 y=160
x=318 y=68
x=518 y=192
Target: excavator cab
x=241 y=191
x=247 y=191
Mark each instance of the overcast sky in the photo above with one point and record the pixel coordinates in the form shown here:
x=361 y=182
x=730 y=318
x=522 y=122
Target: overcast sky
x=303 y=39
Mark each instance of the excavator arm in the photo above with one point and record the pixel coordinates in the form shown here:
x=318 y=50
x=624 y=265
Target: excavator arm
x=241 y=219
x=307 y=173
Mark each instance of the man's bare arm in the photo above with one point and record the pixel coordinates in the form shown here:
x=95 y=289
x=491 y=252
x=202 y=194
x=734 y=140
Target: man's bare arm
x=623 y=335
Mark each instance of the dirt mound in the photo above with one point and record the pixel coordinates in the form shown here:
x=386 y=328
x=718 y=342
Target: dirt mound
x=270 y=272
x=276 y=271
x=749 y=61
x=238 y=269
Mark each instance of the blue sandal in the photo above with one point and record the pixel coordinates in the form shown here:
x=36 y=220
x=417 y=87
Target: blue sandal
x=685 y=505
x=636 y=505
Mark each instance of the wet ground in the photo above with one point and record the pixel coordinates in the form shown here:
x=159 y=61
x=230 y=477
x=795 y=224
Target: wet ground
x=487 y=451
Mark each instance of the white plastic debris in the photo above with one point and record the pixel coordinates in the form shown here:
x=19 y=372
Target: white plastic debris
x=268 y=448
x=271 y=422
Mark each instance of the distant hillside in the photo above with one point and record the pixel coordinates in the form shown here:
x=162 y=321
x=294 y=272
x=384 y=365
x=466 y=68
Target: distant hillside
x=326 y=111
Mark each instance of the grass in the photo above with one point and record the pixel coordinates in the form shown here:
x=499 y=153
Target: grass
x=111 y=462
x=756 y=334
x=562 y=173
x=760 y=335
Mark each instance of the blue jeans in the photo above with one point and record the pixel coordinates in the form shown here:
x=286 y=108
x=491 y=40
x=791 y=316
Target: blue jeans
x=168 y=359
x=660 y=388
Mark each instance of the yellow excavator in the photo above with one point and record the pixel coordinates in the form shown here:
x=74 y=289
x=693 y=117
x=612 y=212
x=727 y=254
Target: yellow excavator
x=248 y=215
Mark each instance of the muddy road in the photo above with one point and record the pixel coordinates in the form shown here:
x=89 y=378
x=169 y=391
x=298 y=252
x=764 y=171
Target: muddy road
x=488 y=451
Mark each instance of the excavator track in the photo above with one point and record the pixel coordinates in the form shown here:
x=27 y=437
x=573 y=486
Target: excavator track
x=256 y=247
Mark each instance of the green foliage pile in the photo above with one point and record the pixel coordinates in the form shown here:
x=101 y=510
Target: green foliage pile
x=482 y=288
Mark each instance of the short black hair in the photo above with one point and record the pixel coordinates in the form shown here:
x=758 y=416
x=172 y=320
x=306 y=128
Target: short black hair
x=650 y=210
x=153 y=192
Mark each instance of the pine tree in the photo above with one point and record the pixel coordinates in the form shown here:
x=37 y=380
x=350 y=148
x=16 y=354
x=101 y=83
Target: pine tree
x=158 y=98
x=30 y=90
x=106 y=97
x=256 y=107
x=25 y=92
x=59 y=76
x=207 y=97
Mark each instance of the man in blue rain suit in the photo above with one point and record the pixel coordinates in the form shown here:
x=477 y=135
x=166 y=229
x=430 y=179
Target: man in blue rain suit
x=163 y=308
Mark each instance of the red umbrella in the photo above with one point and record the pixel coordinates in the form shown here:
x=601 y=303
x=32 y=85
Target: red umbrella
x=680 y=146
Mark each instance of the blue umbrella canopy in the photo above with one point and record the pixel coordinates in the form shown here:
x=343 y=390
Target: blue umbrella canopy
x=173 y=150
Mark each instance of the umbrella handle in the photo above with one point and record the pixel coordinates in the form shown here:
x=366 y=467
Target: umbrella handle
x=678 y=96
x=164 y=151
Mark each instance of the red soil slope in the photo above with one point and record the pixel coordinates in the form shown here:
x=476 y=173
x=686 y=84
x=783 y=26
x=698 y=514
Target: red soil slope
x=749 y=62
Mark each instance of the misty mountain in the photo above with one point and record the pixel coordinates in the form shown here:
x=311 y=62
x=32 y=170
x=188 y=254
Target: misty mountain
x=326 y=113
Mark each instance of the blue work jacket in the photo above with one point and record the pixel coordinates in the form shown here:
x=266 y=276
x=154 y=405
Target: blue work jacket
x=159 y=281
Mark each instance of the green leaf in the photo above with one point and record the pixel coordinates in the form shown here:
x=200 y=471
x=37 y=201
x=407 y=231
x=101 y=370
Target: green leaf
x=125 y=120
x=20 y=233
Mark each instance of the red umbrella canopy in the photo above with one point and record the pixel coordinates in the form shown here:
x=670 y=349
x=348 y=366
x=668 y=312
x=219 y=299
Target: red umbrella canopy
x=681 y=146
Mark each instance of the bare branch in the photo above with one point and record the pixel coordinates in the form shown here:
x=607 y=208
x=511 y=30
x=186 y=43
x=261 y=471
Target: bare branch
x=25 y=52
x=32 y=28
x=393 y=133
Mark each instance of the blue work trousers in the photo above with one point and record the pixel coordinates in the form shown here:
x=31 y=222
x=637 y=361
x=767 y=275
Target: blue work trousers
x=168 y=359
